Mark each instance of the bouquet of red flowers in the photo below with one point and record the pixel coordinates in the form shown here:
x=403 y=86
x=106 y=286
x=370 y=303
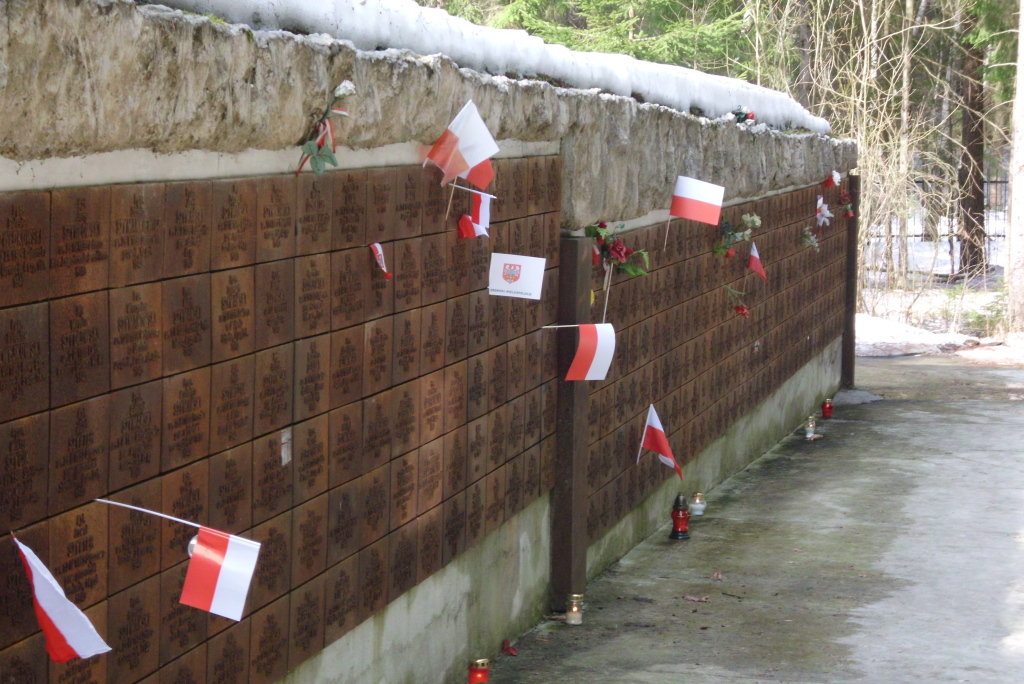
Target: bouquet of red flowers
x=612 y=250
x=847 y=203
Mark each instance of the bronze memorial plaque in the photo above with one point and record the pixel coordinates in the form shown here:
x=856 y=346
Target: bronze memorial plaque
x=377 y=355
x=24 y=458
x=189 y=668
x=406 y=426
x=346 y=374
x=429 y=543
x=133 y=549
x=477 y=449
x=231 y=403
x=275 y=299
x=309 y=540
x=231 y=489
x=189 y=212
x=186 y=425
x=381 y=196
x=227 y=656
x=233 y=223
x=431 y=406
x=455 y=461
x=494 y=506
x=274 y=388
x=273 y=475
x=455 y=384
x=275 y=218
x=341 y=595
x=136 y=233
x=350 y=278
x=373 y=578
x=24 y=360
x=344 y=522
x=136 y=335
x=315 y=201
x=497 y=427
x=78 y=453
x=136 y=415
x=499 y=375
x=432 y=337
x=479 y=263
x=181 y=627
x=349 y=223
x=79 y=348
x=186 y=323
x=404 y=470
x=431 y=477
x=476 y=508
x=458 y=264
x=185 y=495
x=456 y=330
x=133 y=621
x=374 y=491
x=434 y=250
x=233 y=298
x=408 y=278
x=406 y=346
x=307 y=622
x=478 y=373
x=454 y=531
x=409 y=196
x=479 y=322
x=79 y=240
x=273 y=567
x=78 y=553
x=268 y=643
x=378 y=430
x=380 y=295
x=309 y=450
x=345 y=448
x=312 y=366
x=401 y=560
x=312 y=295
x=24 y=247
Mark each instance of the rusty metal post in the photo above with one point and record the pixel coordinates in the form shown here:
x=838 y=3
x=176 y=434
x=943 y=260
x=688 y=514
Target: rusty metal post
x=569 y=495
x=846 y=377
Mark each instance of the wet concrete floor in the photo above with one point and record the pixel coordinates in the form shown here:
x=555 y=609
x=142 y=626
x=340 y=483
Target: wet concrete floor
x=892 y=550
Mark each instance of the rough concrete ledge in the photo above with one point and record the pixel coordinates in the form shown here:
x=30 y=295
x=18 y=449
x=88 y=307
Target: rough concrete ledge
x=497 y=590
x=89 y=76
x=743 y=443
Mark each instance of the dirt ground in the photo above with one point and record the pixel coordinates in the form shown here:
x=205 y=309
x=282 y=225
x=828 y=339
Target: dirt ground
x=892 y=550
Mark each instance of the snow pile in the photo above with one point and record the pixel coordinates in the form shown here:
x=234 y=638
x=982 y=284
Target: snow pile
x=1008 y=351
x=379 y=24
x=882 y=337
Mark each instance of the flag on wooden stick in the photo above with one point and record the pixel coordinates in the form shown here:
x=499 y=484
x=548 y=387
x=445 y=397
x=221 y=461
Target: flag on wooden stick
x=754 y=262
x=69 y=633
x=465 y=148
x=656 y=440
x=476 y=223
x=594 y=352
x=697 y=200
x=219 y=573
x=378 y=255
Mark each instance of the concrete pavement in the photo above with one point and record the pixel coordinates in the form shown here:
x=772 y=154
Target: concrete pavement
x=892 y=550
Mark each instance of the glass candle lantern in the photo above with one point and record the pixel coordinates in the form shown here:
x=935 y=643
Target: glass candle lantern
x=698 y=504
x=574 y=611
x=810 y=427
x=480 y=671
x=826 y=408
x=192 y=545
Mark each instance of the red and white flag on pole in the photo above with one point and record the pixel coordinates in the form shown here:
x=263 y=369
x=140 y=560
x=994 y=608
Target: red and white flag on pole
x=593 y=353
x=754 y=262
x=219 y=573
x=476 y=223
x=465 y=148
x=697 y=200
x=832 y=181
x=68 y=632
x=656 y=440
x=378 y=254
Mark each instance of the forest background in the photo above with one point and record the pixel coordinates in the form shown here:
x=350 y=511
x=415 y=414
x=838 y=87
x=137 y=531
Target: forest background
x=925 y=87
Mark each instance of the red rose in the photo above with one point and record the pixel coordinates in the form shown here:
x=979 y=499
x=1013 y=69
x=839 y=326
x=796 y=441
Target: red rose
x=602 y=224
x=750 y=115
x=730 y=253
x=600 y=242
x=742 y=310
x=848 y=214
x=630 y=252
x=617 y=250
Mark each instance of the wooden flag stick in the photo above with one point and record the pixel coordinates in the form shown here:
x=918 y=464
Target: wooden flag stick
x=145 y=510
x=552 y=327
x=607 y=289
x=449 y=209
x=666 y=232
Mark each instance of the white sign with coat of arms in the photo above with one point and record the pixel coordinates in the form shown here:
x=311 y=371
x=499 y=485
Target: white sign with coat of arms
x=513 y=275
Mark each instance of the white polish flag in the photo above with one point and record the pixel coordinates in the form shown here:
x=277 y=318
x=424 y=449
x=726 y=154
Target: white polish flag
x=594 y=352
x=219 y=573
x=514 y=275
x=378 y=255
x=68 y=632
x=465 y=148
x=656 y=440
x=697 y=200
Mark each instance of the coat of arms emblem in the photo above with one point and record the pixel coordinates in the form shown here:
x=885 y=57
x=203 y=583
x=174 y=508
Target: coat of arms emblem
x=511 y=272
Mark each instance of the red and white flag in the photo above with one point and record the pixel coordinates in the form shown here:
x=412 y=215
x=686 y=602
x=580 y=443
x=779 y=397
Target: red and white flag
x=593 y=353
x=696 y=200
x=219 y=573
x=754 y=262
x=378 y=254
x=832 y=181
x=68 y=632
x=465 y=148
x=476 y=223
x=595 y=255
x=656 y=440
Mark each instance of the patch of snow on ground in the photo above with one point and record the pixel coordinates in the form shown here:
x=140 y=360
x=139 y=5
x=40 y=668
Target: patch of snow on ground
x=378 y=24
x=1009 y=353
x=883 y=337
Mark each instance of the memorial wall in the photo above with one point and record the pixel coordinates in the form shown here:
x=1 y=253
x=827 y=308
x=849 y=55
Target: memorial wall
x=229 y=352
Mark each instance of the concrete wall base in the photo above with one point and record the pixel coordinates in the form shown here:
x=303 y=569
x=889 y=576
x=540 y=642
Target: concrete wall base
x=497 y=590
x=747 y=440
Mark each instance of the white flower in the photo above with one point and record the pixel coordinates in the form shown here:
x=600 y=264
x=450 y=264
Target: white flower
x=344 y=89
x=823 y=213
x=836 y=179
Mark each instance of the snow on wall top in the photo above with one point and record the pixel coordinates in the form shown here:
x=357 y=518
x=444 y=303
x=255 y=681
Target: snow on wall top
x=378 y=24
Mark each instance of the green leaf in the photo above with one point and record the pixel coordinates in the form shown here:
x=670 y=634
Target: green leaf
x=632 y=270
x=309 y=148
x=317 y=163
x=646 y=256
x=328 y=156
